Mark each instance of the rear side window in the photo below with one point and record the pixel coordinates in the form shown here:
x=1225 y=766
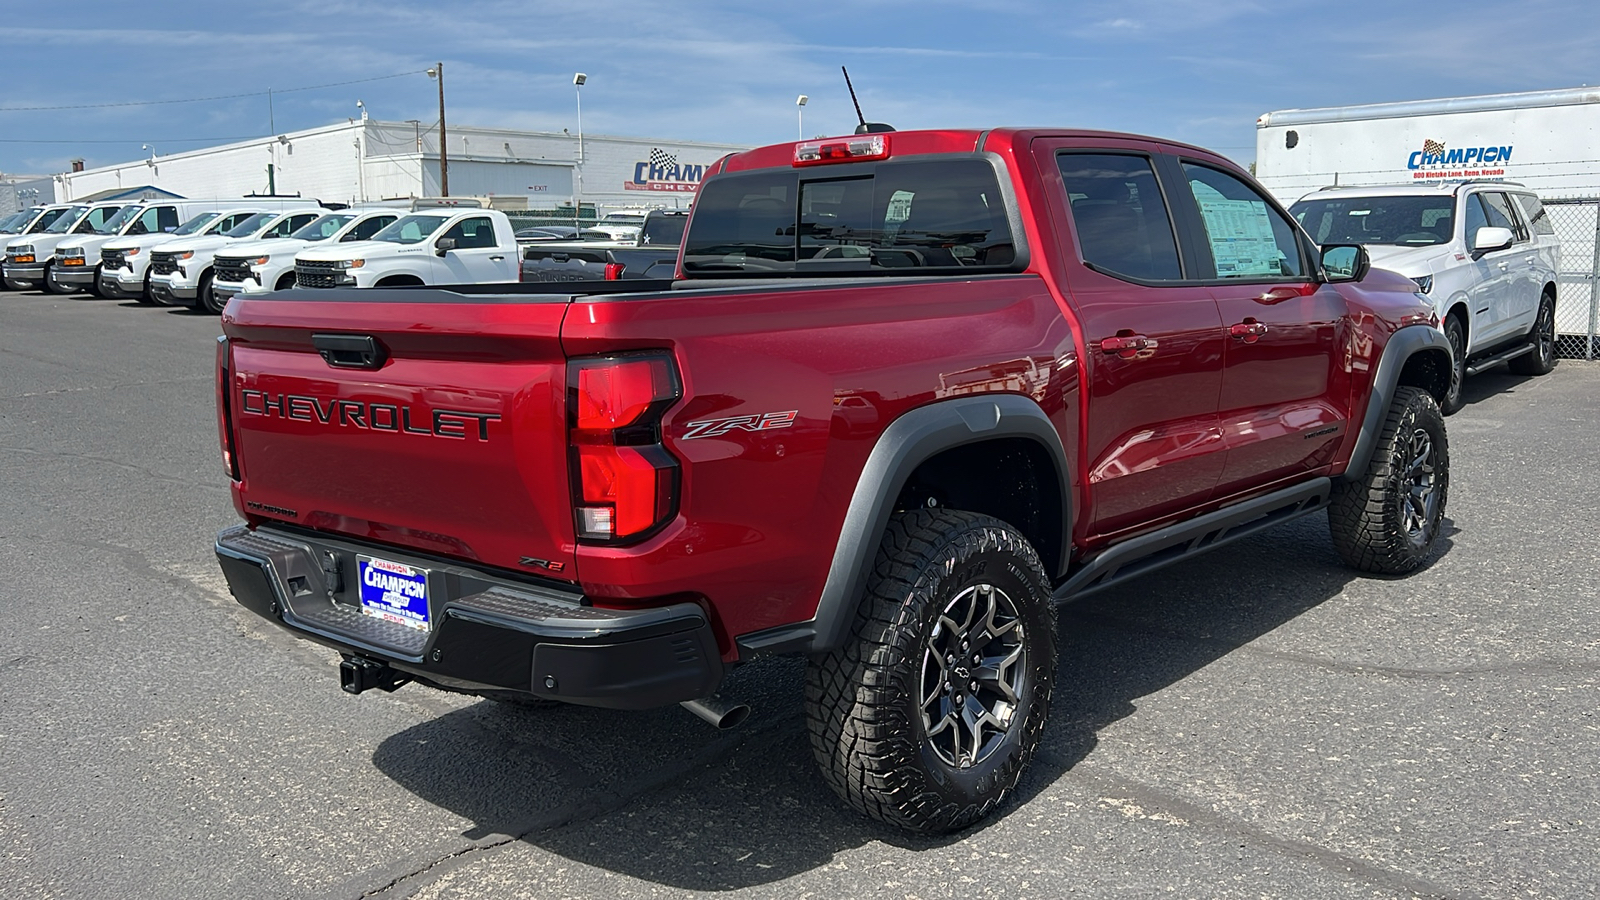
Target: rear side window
x=1246 y=236
x=1121 y=221
x=895 y=218
x=1535 y=213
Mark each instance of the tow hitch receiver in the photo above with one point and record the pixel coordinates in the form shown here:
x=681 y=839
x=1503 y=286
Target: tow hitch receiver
x=357 y=674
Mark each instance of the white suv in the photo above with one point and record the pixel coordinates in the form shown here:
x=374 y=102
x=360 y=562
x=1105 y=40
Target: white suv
x=1484 y=252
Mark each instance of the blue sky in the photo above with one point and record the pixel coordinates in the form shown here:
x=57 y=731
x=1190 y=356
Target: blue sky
x=730 y=71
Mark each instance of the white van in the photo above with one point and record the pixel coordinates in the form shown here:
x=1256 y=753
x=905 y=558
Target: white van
x=42 y=218
x=30 y=258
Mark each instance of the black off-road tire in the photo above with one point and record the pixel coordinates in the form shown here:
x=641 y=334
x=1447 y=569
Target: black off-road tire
x=1388 y=521
x=865 y=702
x=1542 y=339
x=1456 y=334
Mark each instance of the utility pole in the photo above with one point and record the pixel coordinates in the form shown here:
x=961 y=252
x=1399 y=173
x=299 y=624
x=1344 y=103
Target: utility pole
x=444 y=158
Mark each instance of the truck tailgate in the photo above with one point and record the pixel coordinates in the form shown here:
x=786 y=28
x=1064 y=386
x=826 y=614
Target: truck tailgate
x=454 y=444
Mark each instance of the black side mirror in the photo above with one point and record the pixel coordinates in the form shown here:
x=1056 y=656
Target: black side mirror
x=443 y=246
x=1345 y=262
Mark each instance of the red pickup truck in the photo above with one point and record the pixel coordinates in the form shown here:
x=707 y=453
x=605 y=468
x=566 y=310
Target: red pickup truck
x=907 y=392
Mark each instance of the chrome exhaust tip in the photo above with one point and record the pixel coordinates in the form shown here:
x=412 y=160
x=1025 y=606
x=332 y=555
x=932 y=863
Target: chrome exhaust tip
x=721 y=713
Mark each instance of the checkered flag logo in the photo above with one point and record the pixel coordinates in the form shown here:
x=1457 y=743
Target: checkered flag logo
x=1432 y=148
x=662 y=159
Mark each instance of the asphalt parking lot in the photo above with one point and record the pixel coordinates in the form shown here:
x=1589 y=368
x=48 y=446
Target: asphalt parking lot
x=1260 y=722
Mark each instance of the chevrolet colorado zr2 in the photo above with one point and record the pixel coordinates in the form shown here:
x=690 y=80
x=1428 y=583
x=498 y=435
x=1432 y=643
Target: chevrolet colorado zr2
x=906 y=393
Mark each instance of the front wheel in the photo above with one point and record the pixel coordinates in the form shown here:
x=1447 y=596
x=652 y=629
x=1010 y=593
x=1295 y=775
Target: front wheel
x=1543 y=341
x=1388 y=520
x=1456 y=334
x=49 y=284
x=932 y=710
x=205 y=298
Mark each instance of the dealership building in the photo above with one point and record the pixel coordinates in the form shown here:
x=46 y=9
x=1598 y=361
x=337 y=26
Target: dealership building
x=368 y=160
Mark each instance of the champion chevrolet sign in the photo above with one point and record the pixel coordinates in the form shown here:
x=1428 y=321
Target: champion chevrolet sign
x=663 y=172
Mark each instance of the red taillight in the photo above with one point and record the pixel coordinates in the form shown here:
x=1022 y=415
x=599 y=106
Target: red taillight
x=847 y=149
x=625 y=483
x=614 y=271
x=230 y=460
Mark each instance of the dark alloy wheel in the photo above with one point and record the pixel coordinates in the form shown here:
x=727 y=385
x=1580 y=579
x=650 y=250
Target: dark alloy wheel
x=929 y=714
x=1543 y=340
x=1389 y=519
x=1456 y=334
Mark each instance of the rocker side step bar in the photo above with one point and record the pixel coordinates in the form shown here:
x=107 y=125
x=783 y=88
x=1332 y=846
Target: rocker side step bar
x=1148 y=552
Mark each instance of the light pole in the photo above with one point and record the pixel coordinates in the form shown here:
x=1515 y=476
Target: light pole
x=578 y=81
x=444 y=160
x=800 y=114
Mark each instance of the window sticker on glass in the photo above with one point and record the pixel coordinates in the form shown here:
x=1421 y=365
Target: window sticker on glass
x=1240 y=232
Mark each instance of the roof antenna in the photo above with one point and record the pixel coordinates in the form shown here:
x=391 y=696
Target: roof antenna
x=865 y=127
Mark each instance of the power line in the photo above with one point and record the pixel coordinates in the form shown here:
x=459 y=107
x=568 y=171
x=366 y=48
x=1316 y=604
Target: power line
x=159 y=140
x=314 y=87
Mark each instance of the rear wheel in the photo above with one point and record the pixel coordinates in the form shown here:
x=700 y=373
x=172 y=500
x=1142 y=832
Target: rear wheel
x=1388 y=521
x=932 y=710
x=1543 y=341
x=1456 y=334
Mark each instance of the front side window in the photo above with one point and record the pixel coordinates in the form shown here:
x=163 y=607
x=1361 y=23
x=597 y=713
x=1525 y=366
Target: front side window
x=1407 y=221
x=411 y=229
x=1500 y=212
x=124 y=215
x=474 y=232
x=1534 y=211
x=1246 y=236
x=197 y=223
x=247 y=226
x=363 y=231
x=46 y=219
x=64 y=223
x=321 y=228
x=96 y=219
x=1119 y=216
x=1475 y=217
x=894 y=218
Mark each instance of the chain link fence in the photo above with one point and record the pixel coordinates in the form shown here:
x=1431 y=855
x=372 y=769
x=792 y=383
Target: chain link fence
x=1577 y=225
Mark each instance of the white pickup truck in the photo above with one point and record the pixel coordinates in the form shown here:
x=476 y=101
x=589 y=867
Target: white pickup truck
x=260 y=267
x=439 y=242
x=181 y=271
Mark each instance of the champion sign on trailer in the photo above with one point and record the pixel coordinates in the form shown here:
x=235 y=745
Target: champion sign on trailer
x=1542 y=139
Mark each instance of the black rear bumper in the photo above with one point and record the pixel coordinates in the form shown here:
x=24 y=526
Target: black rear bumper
x=489 y=633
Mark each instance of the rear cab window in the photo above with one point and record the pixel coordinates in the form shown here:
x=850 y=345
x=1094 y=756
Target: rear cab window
x=909 y=217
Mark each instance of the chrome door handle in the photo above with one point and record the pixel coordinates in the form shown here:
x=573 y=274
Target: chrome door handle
x=1127 y=345
x=496 y=258
x=1248 y=331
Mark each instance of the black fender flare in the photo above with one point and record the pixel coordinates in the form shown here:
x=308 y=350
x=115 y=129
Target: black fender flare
x=1405 y=343
x=910 y=440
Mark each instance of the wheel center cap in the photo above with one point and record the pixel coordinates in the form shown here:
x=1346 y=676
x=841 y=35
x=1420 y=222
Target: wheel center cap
x=962 y=671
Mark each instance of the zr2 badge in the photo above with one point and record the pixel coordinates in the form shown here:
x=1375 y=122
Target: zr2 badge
x=718 y=427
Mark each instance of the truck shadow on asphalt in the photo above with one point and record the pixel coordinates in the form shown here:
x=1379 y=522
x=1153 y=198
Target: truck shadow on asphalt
x=661 y=797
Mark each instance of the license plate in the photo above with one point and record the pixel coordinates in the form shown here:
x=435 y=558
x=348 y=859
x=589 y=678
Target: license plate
x=394 y=592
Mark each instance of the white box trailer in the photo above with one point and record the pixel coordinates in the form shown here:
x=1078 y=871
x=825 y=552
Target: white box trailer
x=1544 y=140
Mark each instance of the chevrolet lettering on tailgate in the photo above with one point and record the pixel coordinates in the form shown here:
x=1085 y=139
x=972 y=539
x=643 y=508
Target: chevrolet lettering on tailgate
x=446 y=423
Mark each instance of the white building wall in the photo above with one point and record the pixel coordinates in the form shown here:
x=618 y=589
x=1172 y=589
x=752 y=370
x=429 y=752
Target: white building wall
x=371 y=160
